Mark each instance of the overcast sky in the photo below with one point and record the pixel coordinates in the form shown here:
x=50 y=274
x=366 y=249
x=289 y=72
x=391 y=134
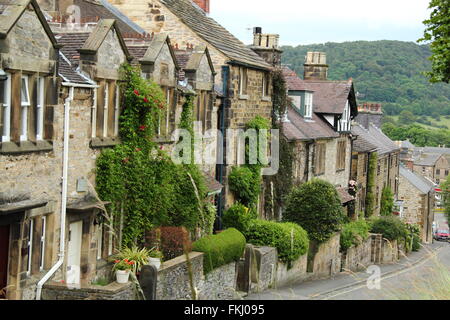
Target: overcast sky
x=320 y=21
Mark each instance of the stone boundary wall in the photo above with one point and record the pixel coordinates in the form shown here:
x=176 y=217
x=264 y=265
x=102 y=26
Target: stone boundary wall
x=324 y=259
x=173 y=280
x=112 y=291
x=357 y=258
x=296 y=273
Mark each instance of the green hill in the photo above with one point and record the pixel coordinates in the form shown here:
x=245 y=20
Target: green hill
x=389 y=72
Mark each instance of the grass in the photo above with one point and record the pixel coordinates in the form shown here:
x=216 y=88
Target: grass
x=101 y=282
x=443 y=121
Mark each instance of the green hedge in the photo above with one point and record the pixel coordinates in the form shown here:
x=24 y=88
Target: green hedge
x=354 y=233
x=238 y=216
x=220 y=249
x=290 y=239
x=392 y=228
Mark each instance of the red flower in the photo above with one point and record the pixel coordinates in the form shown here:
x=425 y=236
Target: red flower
x=126 y=260
x=146 y=100
x=137 y=149
x=142 y=128
x=136 y=92
x=160 y=147
x=126 y=160
x=116 y=261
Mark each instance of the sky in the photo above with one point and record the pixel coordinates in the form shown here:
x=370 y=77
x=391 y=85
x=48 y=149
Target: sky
x=307 y=22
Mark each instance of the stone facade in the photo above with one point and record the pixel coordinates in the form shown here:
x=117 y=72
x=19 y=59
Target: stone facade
x=387 y=174
x=112 y=291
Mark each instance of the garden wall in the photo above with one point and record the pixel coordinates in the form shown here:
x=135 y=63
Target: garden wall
x=173 y=280
x=296 y=273
x=324 y=259
x=357 y=258
x=112 y=291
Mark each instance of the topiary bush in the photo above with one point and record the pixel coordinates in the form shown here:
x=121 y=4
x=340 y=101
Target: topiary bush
x=290 y=239
x=392 y=228
x=316 y=207
x=220 y=249
x=238 y=216
x=354 y=233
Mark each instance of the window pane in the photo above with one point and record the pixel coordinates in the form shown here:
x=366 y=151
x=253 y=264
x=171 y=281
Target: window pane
x=25 y=96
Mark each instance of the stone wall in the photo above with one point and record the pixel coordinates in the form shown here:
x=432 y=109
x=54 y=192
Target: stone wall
x=264 y=268
x=173 y=280
x=389 y=251
x=296 y=273
x=324 y=260
x=357 y=258
x=112 y=291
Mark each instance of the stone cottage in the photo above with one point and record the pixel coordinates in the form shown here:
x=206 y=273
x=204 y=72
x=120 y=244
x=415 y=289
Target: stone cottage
x=318 y=125
x=387 y=171
x=417 y=196
x=65 y=111
x=243 y=79
x=434 y=166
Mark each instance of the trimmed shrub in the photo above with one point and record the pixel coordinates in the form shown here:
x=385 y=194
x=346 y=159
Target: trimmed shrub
x=316 y=206
x=238 y=216
x=290 y=239
x=413 y=241
x=245 y=183
x=392 y=228
x=387 y=202
x=220 y=249
x=354 y=233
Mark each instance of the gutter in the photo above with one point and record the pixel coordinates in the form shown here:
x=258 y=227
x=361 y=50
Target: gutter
x=62 y=241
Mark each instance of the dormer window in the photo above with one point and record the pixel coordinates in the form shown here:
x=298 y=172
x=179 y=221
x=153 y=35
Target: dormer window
x=308 y=105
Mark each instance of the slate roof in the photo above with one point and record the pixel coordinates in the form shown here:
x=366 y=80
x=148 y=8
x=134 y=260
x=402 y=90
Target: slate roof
x=211 y=31
x=330 y=97
x=69 y=72
x=103 y=10
x=183 y=57
x=137 y=52
x=71 y=43
x=422 y=184
x=361 y=144
x=293 y=82
x=406 y=145
x=373 y=137
x=344 y=195
x=434 y=150
x=426 y=159
x=301 y=129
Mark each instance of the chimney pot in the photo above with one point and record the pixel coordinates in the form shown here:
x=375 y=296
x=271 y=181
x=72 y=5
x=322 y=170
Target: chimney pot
x=204 y=4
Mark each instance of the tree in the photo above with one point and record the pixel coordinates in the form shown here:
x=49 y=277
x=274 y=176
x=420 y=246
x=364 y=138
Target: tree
x=438 y=32
x=445 y=187
x=406 y=117
x=316 y=207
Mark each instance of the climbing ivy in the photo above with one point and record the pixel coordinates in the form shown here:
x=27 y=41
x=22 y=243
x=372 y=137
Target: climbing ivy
x=386 y=202
x=145 y=187
x=372 y=173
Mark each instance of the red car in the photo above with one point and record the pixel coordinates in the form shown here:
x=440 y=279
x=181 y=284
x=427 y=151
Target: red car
x=442 y=234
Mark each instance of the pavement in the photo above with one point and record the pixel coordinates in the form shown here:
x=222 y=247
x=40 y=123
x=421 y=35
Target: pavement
x=347 y=285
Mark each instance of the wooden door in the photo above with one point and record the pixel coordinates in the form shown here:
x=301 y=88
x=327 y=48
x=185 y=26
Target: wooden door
x=4 y=254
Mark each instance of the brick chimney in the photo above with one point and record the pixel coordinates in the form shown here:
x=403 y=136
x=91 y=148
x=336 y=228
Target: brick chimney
x=316 y=67
x=204 y=4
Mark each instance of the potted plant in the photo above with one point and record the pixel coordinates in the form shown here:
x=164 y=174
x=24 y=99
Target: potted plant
x=123 y=268
x=155 y=257
x=139 y=256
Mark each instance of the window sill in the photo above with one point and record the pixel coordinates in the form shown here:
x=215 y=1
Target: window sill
x=104 y=142
x=268 y=99
x=243 y=97
x=25 y=147
x=163 y=140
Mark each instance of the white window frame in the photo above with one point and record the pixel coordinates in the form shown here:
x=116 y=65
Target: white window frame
x=242 y=72
x=117 y=112
x=43 y=234
x=25 y=104
x=105 y=110
x=40 y=108
x=308 y=104
x=168 y=109
x=30 y=247
x=94 y=114
x=99 y=241
x=6 y=134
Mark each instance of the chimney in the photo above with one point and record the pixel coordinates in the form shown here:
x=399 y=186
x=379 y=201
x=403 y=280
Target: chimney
x=203 y=4
x=265 y=40
x=316 y=67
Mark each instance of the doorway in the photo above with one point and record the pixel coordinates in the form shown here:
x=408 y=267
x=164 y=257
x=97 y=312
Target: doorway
x=4 y=255
x=74 y=253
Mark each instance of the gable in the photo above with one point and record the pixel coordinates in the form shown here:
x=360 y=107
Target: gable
x=27 y=45
x=164 y=67
x=204 y=79
x=110 y=56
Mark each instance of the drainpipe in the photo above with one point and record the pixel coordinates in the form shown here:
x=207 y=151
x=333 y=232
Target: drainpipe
x=62 y=236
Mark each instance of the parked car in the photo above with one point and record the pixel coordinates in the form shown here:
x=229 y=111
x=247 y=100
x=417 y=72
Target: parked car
x=442 y=234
